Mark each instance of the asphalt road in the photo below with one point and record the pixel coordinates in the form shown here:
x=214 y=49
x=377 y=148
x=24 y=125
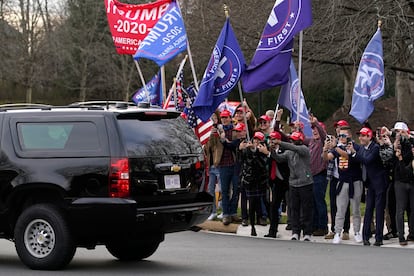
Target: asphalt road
x=202 y=253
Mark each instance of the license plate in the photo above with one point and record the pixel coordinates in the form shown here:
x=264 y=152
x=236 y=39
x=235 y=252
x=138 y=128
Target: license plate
x=172 y=181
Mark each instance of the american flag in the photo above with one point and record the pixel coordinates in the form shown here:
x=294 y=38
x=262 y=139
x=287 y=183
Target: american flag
x=201 y=129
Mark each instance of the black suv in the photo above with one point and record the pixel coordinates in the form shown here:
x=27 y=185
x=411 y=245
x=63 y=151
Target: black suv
x=91 y=174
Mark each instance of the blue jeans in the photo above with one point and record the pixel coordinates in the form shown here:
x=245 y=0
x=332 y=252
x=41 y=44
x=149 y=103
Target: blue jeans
x=229 y=180
x=320 y=213
x=214 y=177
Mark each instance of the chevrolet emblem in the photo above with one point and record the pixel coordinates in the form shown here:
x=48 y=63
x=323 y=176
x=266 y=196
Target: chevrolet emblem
x=175 y=168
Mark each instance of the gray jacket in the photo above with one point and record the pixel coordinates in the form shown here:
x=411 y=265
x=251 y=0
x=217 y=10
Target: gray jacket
x=298 y=159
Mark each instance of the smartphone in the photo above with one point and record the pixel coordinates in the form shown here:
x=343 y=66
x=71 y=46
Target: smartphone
x=348 y=140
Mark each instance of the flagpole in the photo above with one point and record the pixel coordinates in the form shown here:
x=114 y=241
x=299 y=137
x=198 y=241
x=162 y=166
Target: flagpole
x=244 y=110
x=299 y=77
x=180 y=68
x=142 y=79
x=163 y=84
x=191 y=59
x=274 y=116
x=226 y=12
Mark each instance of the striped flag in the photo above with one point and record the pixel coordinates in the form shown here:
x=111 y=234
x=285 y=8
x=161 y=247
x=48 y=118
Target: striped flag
x=201 y=129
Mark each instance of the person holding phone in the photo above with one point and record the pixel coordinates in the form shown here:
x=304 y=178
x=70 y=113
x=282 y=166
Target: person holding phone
x=349 y=188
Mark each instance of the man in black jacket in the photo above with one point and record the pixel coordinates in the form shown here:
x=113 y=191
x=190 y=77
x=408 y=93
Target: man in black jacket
x=375 y=179
x=279 y=183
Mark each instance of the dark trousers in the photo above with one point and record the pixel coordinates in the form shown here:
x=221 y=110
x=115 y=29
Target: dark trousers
x=404 y=194
x=391 y=207
x=374 y=200
x=243 y=203
x=320 y=213
x=279 y=189
x=254 y=207
x=332 y=200
x=301 y=202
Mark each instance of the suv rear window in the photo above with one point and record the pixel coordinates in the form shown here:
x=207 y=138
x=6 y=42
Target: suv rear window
x=162 y=136
x=70 y=136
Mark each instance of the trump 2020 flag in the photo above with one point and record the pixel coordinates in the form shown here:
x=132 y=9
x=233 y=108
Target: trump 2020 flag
x=270 y=64
x=370 y=81
x=289 y=99
x=222 y=73
x=166 y=39
x=154 y=90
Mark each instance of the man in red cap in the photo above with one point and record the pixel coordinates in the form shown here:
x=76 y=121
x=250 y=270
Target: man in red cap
x=320 y=182
x=250 y=118
x=375 y=179
x=229 y=174
x=264 y=124
x=278 y=181
x=297 y=156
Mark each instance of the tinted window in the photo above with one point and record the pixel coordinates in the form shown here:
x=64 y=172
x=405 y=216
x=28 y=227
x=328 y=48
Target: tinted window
x=159 y=137
x=68 y=136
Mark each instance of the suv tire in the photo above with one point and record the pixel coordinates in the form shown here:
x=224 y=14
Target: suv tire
x=132 y=250
x=42 y=238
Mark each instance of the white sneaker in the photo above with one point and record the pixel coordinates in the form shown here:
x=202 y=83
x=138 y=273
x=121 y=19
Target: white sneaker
x=295 y=237
x=220 y=216
x=358 y=237
x=307 y=238
x=212 y=216
x=336 y=239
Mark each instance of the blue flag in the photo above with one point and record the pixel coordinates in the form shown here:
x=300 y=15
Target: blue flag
x=370 y=81
x=166 y=39
x=222 y=73
x=267 y=69
x=289 y=99
x=155 y=91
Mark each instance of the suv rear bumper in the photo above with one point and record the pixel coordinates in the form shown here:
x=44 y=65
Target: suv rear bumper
x=106 y=217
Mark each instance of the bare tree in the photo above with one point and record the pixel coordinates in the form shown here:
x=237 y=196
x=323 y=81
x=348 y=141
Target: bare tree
x=342 y=28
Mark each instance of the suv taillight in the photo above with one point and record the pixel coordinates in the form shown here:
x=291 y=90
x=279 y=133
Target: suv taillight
x=119 y=178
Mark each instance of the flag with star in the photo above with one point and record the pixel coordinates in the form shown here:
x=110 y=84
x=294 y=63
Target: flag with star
x=221 y=75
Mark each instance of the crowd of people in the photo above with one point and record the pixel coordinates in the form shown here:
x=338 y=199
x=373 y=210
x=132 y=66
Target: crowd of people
x=261 y=166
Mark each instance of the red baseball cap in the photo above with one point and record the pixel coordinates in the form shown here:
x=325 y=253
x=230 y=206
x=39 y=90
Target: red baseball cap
x=259 y=135
x=296 y=136
x=365 y=131
x=301 y=124
x=240 y=127
x=341 y=123
x=275 y=135
x=225 y=113
x=265 y=118
x=241 y=108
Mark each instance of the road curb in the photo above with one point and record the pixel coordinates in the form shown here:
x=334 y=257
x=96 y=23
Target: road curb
x=218 y=226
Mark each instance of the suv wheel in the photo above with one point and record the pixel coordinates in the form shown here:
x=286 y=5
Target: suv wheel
x=132 y=250
x=42 y=238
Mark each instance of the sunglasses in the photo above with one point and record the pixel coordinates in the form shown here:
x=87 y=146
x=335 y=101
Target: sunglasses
x=342 y=135
x=263 y=122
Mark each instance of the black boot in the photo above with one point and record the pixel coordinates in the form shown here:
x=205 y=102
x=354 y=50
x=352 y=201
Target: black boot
x=253 y=233
x=271 y=234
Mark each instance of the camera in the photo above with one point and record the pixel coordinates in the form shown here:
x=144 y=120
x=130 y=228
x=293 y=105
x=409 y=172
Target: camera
x=348 y=140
